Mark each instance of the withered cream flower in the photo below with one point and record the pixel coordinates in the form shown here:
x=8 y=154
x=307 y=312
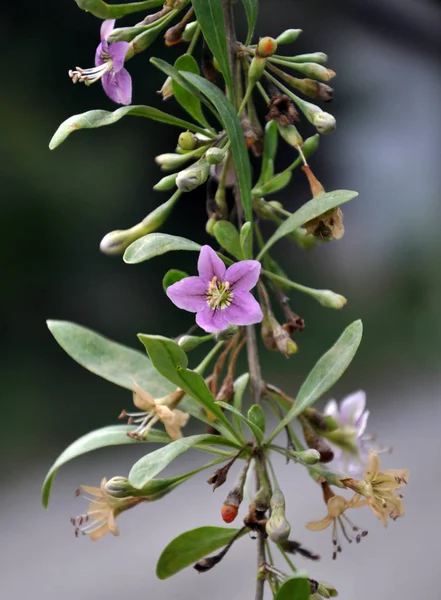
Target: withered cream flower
x=337 y=506
x=154 y=410
x=103 y=509
x=379 y=488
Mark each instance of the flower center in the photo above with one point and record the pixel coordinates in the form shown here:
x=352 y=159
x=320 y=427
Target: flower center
x=219 y=294
x=89 y=76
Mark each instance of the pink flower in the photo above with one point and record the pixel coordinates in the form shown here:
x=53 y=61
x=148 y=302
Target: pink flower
x=219 y=296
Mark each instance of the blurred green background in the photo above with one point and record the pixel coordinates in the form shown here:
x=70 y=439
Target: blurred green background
x=58 y=205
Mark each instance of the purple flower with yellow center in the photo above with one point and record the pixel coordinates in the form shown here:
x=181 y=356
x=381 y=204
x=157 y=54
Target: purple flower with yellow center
x=109 y=67
x=219 y=296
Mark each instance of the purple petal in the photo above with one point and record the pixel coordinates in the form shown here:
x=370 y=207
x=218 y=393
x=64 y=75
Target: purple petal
x=331 y=409
x=106 y=29
x=211 y=320
x=243 y=275
x=244 y=309
x=210 y=265
x=352 y=407
x=99 y=54
x=118 y=86
x=361 y=423
x=117 y=53
x=188 y=294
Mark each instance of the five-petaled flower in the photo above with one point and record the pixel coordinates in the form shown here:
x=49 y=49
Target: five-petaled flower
x=379 y=489
x=102 y=512
x=109 y=67
x=219 y=296
x=154 y=410
x=349 y=442
x=337 y=506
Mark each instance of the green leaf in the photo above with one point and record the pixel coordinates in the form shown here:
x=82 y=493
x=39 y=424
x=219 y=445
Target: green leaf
x=326 y=372
x=155 y=244
x=186 y=99
x=191 y=546
x=149 y=466
x=255 y=430
x=257 y=416
x=246 y=240
x=171 y=277
x=112 y=361
x=312 y=209
x=114 y=435
x=102 y=10
x=252 y=10
x=171 y=361
x=234 y=130
x=228 y=237
x=99 y=118
x=240 y=385
x=273 y=185
x=210 y=16
x=295 y=588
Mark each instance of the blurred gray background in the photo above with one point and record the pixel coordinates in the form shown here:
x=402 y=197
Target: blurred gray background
x=57 y=206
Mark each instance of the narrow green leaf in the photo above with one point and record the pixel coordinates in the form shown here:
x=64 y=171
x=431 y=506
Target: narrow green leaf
x=312 y=209
x=99 y=118
x=102 y=10
x=325 y=373
x=252 y=10
x=240 y=385
x=246 y=240
x=191 y=546
x=228 y=237
x=234 y=130
x=210 y=16
x=112 y=361
x=273 y=185
x=186 y=99
x=171 y=277
x=257 y=416
x=295 y=588
x=255 y=430
x=149 y=466
x=171 y=361
x=114 y=435
x=155 y=244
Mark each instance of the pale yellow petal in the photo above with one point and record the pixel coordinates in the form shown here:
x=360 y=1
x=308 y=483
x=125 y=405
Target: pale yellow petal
x=111 y=523
x=142 y=399
x=373 y=464
x=336 y=506
x=319 y=525
x=99 y=532
x=173 y=430
x=93 y=491
x=357 y=501
x=181 y=418
x=393 y=479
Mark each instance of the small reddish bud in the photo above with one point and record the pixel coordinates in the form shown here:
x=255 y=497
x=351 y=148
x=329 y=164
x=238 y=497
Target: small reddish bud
x=229 y=513
x=267 y=46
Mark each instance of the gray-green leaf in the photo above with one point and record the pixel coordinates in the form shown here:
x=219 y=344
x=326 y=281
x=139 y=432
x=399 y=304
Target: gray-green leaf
x=102 y=10
x=112 y=361
x=228 y=237
x=312 y=209
x=99 y=118
x=210 y=16
x=295 y=588
x=114 y=435
x=325 y=373
x=150 y=465
x=234 y=130
x=186 y=99
x=255 y=430
x=155 y=244
x=191 y=546
x=252 y=10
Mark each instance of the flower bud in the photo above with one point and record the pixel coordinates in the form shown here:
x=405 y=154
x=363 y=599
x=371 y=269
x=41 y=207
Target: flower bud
x=209 y=226
x=324 y=122
x=256 y=69
x=214 y=156
x=226 y=334
x=188 y=141
x=288 y=36
x=167 y=89
x=166 y=183
x=191 y=178
x=119 y=487
x=326 y=590
x=275 y=337
x=290 y=135
x=314 y=70
x=170 y=161
x=267 y=46
x=315 y=57
x=331 y=299
x=309 y=457
x=262 y=499
x=277 y=527
x=189 y=31
x=173 y=35
x=231 y=505
x=190 y=342
x=316 y=442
